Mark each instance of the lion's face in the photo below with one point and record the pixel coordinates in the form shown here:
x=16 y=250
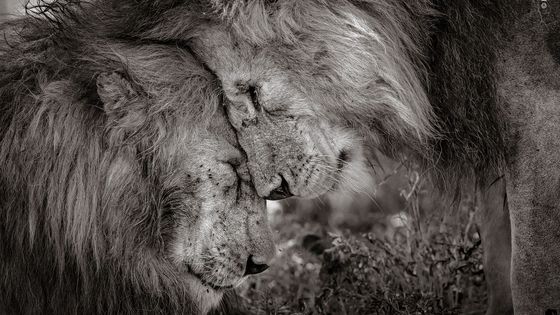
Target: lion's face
x=292 y=148
x=213 y=225
x=220 y=226
x=307 y=85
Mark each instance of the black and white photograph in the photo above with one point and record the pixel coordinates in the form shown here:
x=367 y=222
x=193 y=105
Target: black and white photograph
x=280 y=157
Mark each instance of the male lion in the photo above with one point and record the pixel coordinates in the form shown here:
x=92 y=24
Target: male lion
x=467 y=88
x=121 y=187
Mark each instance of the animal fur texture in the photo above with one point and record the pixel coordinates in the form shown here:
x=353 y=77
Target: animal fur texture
x=467 y=89
x=121 y=188
x=403 y=75
x=311 y=86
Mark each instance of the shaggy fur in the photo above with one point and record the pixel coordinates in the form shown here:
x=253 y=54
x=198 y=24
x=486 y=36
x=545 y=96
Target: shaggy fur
x=452 y=126
x=466 y=88
x=433 y=62
x=103 y=203
x=309 y=86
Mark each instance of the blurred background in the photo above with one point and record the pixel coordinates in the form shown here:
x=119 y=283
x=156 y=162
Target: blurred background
x=393 y=248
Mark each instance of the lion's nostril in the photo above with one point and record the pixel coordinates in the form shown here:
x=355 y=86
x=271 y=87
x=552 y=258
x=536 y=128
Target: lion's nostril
x=253 y=268
x=281 y=192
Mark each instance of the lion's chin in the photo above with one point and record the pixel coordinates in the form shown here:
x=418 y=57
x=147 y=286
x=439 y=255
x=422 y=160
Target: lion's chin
x=206 y=297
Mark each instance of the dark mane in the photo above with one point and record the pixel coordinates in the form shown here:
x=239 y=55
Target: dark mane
x=80 y=213
x=461 y=62
x=453 y=47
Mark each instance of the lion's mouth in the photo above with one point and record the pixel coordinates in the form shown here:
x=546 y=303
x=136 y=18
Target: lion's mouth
x=207 y=283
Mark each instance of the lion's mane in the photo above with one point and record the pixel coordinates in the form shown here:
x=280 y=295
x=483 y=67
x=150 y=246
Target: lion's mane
x=82 y=212
x=51 y=225
x=446 y=51
x=442 y=70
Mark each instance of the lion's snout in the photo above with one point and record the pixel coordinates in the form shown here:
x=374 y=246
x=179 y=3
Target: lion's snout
x=280 y=192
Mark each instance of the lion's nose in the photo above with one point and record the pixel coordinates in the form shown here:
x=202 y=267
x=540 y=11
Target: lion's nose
x=253 y=267
x=280 y=192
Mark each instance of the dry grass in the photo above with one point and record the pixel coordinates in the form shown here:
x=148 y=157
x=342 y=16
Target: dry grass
x=432 y=265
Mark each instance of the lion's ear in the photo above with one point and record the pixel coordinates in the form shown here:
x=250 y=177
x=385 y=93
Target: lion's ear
x=113 y=90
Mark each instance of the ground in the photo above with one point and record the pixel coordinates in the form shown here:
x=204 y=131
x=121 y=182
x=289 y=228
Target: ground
x=418 y=261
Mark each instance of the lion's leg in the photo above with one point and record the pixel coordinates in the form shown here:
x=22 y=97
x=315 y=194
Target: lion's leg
x=533 y=196
x=495 y=233
x=530 y=88
x=533 y=190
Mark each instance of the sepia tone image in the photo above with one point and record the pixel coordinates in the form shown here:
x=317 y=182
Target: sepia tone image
x=280 y=157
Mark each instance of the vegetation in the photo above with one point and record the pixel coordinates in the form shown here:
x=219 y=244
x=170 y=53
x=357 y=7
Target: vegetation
x=430 y=264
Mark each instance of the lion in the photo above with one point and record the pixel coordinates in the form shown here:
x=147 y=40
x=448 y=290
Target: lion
x=122 y=187
x=467 y=89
